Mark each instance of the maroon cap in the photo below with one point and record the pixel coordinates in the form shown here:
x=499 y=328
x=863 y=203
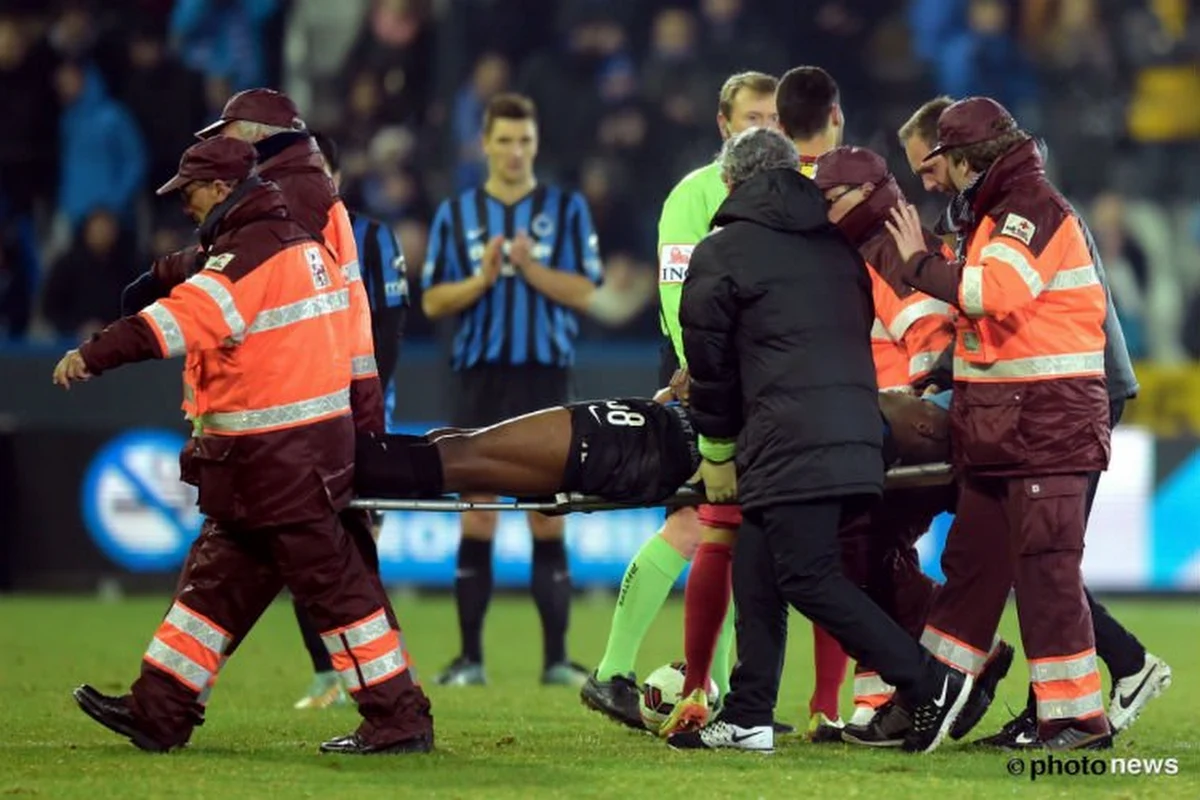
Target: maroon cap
x=264 y=106
x=971 y=121
x=850 y=166
x=217 y=159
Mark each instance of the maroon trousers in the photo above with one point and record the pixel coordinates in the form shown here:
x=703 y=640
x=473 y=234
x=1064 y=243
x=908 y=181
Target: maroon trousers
x=230 y=577
x=1023 y=532
x=879 y=555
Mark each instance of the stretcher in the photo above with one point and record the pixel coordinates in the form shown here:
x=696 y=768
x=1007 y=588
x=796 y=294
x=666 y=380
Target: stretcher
x=907 y=477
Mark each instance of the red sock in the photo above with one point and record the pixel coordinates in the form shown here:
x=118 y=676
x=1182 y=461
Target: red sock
x=705 y=601
x=831 y=663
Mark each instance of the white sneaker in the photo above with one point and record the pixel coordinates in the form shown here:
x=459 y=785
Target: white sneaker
x=1130 y=695
x=759 y=739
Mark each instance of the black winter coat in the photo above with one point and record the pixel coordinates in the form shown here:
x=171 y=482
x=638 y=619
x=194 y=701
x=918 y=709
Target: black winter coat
x=776 y=315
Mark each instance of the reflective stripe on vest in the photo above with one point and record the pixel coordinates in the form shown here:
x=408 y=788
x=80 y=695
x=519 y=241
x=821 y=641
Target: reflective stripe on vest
x=224 y=300
x=308 y=308
x=952 y=651
x=972 y=278
x=922 y=363
x=1067 y=687
x=366 y=652
x=363 y=367
x=1076 y=278
x=352 y=272
x=879 y=331
x=263 y=419
x=168 y=329
x=972 y=291
x=188 y=647
x=910 y=314
x=1059 y=366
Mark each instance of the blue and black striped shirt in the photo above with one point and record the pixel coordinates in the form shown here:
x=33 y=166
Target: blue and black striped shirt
x=512 y=324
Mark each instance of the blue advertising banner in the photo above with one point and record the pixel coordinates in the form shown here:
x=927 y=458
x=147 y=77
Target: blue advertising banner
x=142 y=519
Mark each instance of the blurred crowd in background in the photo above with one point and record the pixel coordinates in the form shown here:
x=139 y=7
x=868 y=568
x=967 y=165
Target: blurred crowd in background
x=99 y=98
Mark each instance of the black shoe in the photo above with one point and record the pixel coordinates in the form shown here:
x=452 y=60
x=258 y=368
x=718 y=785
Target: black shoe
x=782 y=728
x=617 y=698
x=351 y=745
x=934 y=715
x=886 y=729
x=1019 y=733
x=984 y=691
x=1075 y=739
x=114 y=714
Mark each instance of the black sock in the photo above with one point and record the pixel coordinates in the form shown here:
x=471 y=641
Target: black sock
x=317 y=651
x=395 y=465
x=473 y=592
x=552 y=596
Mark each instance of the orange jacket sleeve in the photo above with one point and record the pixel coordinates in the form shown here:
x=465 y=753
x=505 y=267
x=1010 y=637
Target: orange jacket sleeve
x=204 y=312
x=366 y=393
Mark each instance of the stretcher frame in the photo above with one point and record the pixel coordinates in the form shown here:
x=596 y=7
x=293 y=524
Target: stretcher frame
x=905 y=477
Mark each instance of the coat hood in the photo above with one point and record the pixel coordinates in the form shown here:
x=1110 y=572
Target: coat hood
x=780 y=199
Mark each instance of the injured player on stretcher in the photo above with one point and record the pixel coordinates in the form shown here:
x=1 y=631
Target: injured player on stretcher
x=634 y=451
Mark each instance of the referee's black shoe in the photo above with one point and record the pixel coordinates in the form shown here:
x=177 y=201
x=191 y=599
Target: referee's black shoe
x=114 y=713
x=617 y=698
x=984 y=691
x=934 y=715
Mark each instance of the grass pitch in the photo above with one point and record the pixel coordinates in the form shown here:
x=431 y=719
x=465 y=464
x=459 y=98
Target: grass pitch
x=513 y=738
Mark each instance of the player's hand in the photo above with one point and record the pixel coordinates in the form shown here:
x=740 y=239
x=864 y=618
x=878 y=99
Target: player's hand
x=664 y=396
x=491 y=260
x=720 y=481
x=906 y=231
x=70 y=368
x=681 y=384
x=520 y=253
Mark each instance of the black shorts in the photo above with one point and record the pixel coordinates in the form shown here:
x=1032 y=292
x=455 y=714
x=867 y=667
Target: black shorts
x=631 y=451
x=668 y=362
x=490 y=393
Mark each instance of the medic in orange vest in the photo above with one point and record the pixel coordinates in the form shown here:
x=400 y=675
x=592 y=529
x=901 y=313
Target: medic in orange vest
x=266 y=325
x=1029 y=418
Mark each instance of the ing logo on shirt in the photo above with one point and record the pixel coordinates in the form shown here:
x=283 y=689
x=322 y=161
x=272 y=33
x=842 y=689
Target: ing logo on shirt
x=673 y=262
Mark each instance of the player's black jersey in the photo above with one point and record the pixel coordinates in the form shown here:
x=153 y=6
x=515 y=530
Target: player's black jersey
x=630 y=450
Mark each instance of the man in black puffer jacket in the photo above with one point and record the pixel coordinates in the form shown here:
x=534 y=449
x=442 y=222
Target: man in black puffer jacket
x=776 y=317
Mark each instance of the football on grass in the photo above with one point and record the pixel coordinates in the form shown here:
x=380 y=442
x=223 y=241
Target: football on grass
x=662 y=689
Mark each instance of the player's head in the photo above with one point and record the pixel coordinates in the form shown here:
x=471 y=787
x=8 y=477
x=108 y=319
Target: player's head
x=918 y=136
x=809 y=106
x=971 y=135
x=208 y=173
x=847 y=176
x=255 y=114
x=510 y=138
x=754 y=151
x=330 y=155
x=747 y=101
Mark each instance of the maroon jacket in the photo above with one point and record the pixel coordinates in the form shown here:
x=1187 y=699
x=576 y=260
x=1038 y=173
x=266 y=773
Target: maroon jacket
x=1036 y=427
x=294 y=161
x=255 y=480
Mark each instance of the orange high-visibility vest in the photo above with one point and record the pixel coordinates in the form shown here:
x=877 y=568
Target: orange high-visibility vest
x=339 y=235
x=266 y=353
x=908 y=335
x=1026 y=317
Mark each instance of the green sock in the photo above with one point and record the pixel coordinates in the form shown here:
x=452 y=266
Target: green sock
x=722 y=663
x=647 y=582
